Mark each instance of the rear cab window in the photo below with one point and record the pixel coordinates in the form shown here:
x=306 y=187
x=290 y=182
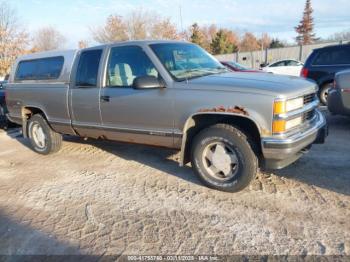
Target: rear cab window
x=40 y=69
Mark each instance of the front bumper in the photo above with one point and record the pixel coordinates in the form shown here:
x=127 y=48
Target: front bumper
x=279 y=153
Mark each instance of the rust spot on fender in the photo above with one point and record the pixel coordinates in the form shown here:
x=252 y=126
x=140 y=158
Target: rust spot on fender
x=236 y=110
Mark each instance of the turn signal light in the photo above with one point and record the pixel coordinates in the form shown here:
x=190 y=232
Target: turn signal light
x=279 y=107
x=279 y=126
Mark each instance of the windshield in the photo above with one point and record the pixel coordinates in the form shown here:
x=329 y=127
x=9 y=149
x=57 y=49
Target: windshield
x=186 y=61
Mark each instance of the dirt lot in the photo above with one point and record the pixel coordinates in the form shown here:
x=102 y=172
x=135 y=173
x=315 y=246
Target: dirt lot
x=107 y=198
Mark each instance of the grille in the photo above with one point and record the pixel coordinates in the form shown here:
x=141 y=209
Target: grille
x=309 y=98
x=308 y=115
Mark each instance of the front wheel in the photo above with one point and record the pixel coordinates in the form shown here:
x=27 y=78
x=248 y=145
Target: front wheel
x=42 y=138
x=223 y=158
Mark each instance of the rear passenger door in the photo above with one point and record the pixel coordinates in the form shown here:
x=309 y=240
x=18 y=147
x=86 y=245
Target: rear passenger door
x=85 y=93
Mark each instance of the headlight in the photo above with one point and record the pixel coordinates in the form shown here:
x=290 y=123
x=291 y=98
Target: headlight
x=294 y=104
x=282 y=107
x=280 y=126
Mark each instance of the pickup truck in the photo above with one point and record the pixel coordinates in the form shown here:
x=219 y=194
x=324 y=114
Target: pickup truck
x=168 y=94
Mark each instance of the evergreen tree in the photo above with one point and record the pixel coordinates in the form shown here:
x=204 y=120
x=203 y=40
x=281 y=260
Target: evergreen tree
x=221 y=43
x=276 y=43
x=196 y=35
x=306 y=26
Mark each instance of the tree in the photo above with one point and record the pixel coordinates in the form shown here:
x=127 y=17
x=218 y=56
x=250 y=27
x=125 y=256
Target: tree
x=249 y=43
x=223 y=43
x=114 y=30
x=340 y=36
x=197 y=36
x=264 y=41
x=164 y=29
x=208 y=33
x=83 y=44
x=135 y=26
x=276 y=43
x=139 y=23
x=14 y=39
x=306 y=26
x=48 y=38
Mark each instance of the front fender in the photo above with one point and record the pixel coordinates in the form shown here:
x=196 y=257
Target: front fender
x=259 y=121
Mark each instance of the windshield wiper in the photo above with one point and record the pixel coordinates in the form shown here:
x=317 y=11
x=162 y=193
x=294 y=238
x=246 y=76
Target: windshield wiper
x=205 y=71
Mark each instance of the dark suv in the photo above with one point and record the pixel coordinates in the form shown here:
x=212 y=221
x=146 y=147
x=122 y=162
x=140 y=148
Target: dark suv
x=323 y=64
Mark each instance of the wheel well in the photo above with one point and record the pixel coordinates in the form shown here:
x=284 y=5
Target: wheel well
x=326 y=82
x=247 y=126
x=28 y=112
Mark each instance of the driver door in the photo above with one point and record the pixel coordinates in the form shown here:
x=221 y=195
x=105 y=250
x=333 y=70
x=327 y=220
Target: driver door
x=135 y=115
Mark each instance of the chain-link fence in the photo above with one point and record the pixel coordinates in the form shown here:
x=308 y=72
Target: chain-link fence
x=256 y=58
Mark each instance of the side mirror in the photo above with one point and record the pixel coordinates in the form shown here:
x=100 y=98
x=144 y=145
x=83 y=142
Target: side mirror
x=147 y=82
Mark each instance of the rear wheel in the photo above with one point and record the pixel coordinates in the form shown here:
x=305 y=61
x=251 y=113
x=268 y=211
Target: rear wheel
x=223 y=158
x=43 y=139
x=324 y=93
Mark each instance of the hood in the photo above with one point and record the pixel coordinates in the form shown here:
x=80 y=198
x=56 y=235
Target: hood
x=263 y=83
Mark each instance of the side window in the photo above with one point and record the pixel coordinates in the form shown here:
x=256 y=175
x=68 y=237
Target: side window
x=292 y=63
x=127 y=63
x=87 y=70
x=40 y=69
x=333 y=57
x=281 y=63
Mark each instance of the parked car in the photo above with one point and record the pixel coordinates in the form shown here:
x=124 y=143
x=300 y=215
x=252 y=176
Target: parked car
x=170 y=94
x=323 y=63
x=233 y=66
x=284 y=67
x=339 y=95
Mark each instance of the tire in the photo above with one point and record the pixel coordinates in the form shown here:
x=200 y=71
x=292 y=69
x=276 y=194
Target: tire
x=42 y=138
x=323 y=93
x=3 y=118
x=226 y=149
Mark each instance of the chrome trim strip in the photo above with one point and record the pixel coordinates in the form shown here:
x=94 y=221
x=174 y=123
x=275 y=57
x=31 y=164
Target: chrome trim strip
x=129 y=130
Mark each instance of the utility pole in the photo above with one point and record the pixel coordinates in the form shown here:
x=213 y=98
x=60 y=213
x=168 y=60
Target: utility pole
x=181 y=24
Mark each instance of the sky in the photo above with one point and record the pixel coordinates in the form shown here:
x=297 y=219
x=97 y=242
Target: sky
x=74 y=18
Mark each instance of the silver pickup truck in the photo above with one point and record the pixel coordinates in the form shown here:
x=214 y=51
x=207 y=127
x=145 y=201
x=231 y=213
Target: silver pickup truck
x=169 y=94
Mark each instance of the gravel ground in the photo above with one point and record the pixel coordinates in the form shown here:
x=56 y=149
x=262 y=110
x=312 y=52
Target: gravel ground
x=99 y=198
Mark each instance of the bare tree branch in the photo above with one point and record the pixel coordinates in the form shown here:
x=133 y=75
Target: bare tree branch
x=13 y=38
x=48 y=38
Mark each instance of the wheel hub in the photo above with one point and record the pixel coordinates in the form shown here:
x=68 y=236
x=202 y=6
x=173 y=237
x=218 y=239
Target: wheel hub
x=220 y=161
x=38 y=135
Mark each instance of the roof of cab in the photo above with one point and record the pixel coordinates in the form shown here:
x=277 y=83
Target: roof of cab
x=139 y=42
x=73 y=52
x=53 y=53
